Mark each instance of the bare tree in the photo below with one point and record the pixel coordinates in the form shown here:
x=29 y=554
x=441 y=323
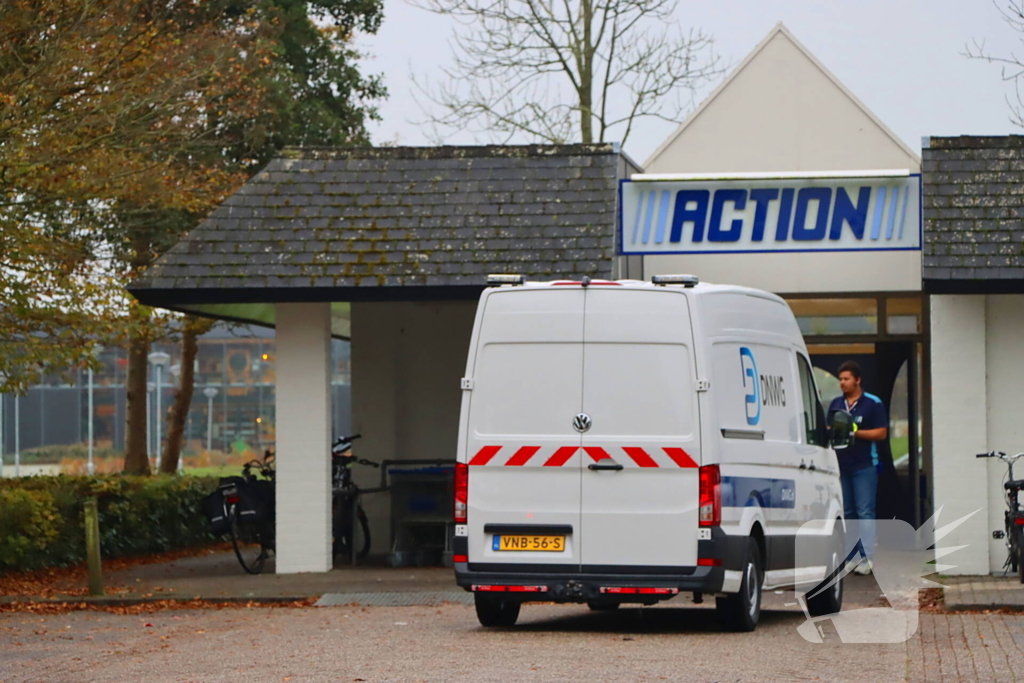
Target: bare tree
x=1012 y=64
x=566 y=70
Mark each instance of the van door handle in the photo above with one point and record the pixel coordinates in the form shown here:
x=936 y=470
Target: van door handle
x=812 y=468
x=606 y=464
x=803 y=465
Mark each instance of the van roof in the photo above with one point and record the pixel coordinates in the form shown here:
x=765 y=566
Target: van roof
x=700 y=289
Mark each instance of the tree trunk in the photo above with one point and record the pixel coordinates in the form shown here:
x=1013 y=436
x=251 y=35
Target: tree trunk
x=136 y=460
x=586 y=69
x=178 y=415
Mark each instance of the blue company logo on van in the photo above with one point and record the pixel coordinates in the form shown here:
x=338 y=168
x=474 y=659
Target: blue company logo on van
x=752 y=384
x=762 y=390
x=848 y=214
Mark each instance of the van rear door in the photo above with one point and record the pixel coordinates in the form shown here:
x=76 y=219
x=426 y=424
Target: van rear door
x=639 y=391
x=522 y=450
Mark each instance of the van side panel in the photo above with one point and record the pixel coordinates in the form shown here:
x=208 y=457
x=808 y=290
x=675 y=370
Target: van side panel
x=755 y=391
x=522 y=451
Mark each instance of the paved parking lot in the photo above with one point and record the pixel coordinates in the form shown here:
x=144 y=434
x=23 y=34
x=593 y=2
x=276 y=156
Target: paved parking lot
x=445 y=643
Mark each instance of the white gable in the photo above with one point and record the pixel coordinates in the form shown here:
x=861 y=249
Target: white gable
x=781 y=110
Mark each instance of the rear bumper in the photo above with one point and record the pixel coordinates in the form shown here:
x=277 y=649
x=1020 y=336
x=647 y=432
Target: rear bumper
x=573 y=583
x=585 y=587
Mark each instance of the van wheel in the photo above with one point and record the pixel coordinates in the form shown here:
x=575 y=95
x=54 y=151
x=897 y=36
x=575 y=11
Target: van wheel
x=831 y=601
x=740 y=611
x=494 y=610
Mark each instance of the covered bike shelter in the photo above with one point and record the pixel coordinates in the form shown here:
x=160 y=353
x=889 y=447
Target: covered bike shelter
x=388 y=248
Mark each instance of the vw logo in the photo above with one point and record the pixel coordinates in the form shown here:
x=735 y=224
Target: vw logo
x=581 y=423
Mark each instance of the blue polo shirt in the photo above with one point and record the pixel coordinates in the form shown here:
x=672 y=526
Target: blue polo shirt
x=868 y=413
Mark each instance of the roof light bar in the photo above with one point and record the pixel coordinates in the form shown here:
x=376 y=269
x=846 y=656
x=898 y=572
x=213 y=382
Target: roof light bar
x=684 y=280
x=496 y=280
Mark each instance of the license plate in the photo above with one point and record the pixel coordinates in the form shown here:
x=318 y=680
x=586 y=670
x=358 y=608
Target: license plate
x=550 y=544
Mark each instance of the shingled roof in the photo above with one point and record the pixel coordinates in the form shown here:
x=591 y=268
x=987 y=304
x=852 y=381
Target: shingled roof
x=399 y=222
x=973 y=214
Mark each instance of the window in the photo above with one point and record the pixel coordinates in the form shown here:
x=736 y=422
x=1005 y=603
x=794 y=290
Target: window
x=814 y=417
x=824 y=317
x=904 y=316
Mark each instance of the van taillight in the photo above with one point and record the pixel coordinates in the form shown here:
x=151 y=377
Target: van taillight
x=461 y=492
x=710 y=513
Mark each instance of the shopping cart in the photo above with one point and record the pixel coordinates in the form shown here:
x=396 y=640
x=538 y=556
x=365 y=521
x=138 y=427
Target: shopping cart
x=421 y=511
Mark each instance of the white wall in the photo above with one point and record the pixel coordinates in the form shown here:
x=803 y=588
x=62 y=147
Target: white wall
x=960 y=425
x=407 y=360
x=781 y=112
x=1005 y=332
x=976 y=370
x=303 y=403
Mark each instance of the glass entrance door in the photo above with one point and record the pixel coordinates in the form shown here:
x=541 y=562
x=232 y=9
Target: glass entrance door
x=885 y=336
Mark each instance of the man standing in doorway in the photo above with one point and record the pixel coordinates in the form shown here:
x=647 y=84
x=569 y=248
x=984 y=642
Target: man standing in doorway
x=858 y=464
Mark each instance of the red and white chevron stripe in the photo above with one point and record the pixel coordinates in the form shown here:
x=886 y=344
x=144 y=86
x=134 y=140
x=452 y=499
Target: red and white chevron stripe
x=628 y=456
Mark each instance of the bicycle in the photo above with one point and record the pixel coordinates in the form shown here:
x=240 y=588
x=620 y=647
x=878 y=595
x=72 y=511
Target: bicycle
x=249 y=510
x=1013 y=517
x=350 y=540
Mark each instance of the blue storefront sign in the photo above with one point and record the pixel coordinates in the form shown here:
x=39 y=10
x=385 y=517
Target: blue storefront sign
x=770 y=215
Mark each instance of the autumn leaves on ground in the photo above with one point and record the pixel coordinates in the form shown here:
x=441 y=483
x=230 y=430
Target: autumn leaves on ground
x=53 y=591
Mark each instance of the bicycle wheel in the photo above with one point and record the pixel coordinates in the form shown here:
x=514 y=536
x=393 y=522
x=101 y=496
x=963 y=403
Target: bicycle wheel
x=362 y=540
x=1017 y=553
x=342 y=545
x=247 y=540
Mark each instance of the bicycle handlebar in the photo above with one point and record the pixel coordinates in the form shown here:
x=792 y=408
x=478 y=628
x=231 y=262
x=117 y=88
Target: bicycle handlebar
x=346 y=439
x=999 y=454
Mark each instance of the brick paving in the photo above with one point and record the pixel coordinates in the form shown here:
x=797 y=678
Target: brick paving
x=673 y=641
x=967 y=647
x=444 y=643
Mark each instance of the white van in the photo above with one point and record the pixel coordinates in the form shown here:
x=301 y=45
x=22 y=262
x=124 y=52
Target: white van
x=625 y=441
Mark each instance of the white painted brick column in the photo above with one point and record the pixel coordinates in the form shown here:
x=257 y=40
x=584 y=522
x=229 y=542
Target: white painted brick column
x=303 y=402
x=959 y=425
x=1004 y=327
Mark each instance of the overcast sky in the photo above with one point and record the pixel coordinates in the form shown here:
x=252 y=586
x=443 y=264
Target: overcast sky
x=902 y=58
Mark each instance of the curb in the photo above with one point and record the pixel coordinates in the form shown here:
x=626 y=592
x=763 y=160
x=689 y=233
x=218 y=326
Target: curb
x=129 y=601
x=982 y=607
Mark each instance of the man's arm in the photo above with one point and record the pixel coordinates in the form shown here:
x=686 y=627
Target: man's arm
x=878 y=434
x=878 y=425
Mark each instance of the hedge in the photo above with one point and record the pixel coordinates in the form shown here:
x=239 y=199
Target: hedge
x=41 y=517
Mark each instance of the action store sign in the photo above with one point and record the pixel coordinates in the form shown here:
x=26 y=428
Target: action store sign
x=750 y=215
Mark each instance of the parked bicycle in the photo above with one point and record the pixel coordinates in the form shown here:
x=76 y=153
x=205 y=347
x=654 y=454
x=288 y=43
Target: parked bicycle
x=246 y=507
x=1013 y=517
x=350 y=524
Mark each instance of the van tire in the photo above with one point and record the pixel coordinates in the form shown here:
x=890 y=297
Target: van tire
x=741 y=611
x=494 y=610
x=831 y=601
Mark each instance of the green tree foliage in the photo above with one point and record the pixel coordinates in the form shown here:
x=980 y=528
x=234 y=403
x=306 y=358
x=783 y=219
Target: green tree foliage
x=317 y=95
x=105 y=105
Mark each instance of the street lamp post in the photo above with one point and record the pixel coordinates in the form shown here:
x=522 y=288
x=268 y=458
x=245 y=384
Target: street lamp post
x=210 y=393
x=17 y=436
x=159 y=361
x=149 y=423
x=3 y=378
x=91 y=466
